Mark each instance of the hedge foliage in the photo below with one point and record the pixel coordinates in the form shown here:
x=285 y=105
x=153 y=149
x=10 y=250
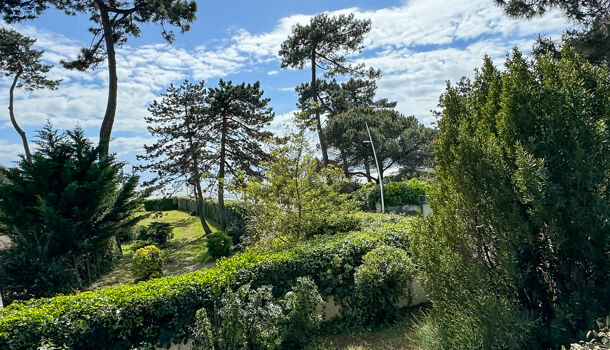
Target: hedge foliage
x=160 y=204
x=162 y=310
x=397 y=194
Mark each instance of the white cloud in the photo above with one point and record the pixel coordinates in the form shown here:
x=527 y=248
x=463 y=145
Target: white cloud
x=418 y=46
x=282 y=122
x=9 y=152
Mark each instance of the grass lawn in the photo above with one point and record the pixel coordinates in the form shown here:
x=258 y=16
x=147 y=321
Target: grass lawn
x=184 y=253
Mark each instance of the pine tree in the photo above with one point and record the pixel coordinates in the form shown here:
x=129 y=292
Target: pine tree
x=398 y=140
x=114 y=22
x=181 y=152
x=323 y=44
x=237 y=115
x=591 y=35
x=62 y=212
x=19 y=61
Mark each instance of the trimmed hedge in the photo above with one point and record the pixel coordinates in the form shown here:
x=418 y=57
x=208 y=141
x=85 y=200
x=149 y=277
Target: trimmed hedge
x=397 y=194
x=160 y=204
x=163 y=310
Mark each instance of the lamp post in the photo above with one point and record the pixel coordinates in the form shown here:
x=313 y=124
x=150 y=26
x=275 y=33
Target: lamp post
x=370 y=140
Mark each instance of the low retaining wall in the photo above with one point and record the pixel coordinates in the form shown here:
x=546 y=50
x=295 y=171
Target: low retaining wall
x=332 y=310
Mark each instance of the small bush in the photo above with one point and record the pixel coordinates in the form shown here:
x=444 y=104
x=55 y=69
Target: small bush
x=250 y=319
x=219 y=244
x=203 y=335
x=383 y=279
x=302 y=320
x=254 y=319
x=156 y=232
x=483 y=321
x=147 y=262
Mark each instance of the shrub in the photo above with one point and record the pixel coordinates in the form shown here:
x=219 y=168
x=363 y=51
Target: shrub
x=219 y=244
x=250 y=319
x=156 y=232
x=479 y=321
x=382 y=281
x=203 y=333
x=160 y=311
x=521 y=202
x=302 y=318
x=297 y=198
x=397 y=194
x=160 y=204
x=254 y=319
x=147 y=262
x=63 y=212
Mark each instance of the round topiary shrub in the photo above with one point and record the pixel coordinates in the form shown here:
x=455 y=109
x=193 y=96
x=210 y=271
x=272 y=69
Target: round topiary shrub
x=219 y=244
x=147 y=262
x=382 y=282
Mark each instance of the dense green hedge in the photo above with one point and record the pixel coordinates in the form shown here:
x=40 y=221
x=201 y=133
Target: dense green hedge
x=160 y=204
x=163 y=310
x=399 y=193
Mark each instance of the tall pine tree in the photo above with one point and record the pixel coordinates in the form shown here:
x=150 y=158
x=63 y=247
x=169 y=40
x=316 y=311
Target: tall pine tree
x=323 y=44
x=114 y=21
x=180 y=153
x=237 y=115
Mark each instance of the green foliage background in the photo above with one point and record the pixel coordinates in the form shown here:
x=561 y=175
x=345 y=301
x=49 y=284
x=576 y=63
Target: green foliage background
x=519 y=234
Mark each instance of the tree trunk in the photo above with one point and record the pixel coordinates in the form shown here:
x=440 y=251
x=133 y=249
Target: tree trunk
x=21 y=133
x=367 y=170
x=314 y=92
x=106 y=128
x=196 y=176
x=221 y=176
x=344 y=163
x=199 y=201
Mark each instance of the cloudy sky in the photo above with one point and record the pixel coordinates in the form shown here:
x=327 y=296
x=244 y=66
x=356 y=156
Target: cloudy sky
x=417 y=44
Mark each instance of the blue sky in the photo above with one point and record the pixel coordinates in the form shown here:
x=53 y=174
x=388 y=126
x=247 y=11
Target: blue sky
x=418 y=45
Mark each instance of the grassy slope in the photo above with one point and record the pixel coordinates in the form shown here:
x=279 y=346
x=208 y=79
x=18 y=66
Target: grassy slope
x=185 y=253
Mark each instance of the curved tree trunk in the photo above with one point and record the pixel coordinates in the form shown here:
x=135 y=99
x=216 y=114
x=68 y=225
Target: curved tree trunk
x=221 y=176
x=21 y=133
x=106 y=128
x=367 y=170
x=344 y=163
x=314 y=92
x=199 y=201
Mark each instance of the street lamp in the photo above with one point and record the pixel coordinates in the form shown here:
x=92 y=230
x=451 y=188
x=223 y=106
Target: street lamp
x=370 y=140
